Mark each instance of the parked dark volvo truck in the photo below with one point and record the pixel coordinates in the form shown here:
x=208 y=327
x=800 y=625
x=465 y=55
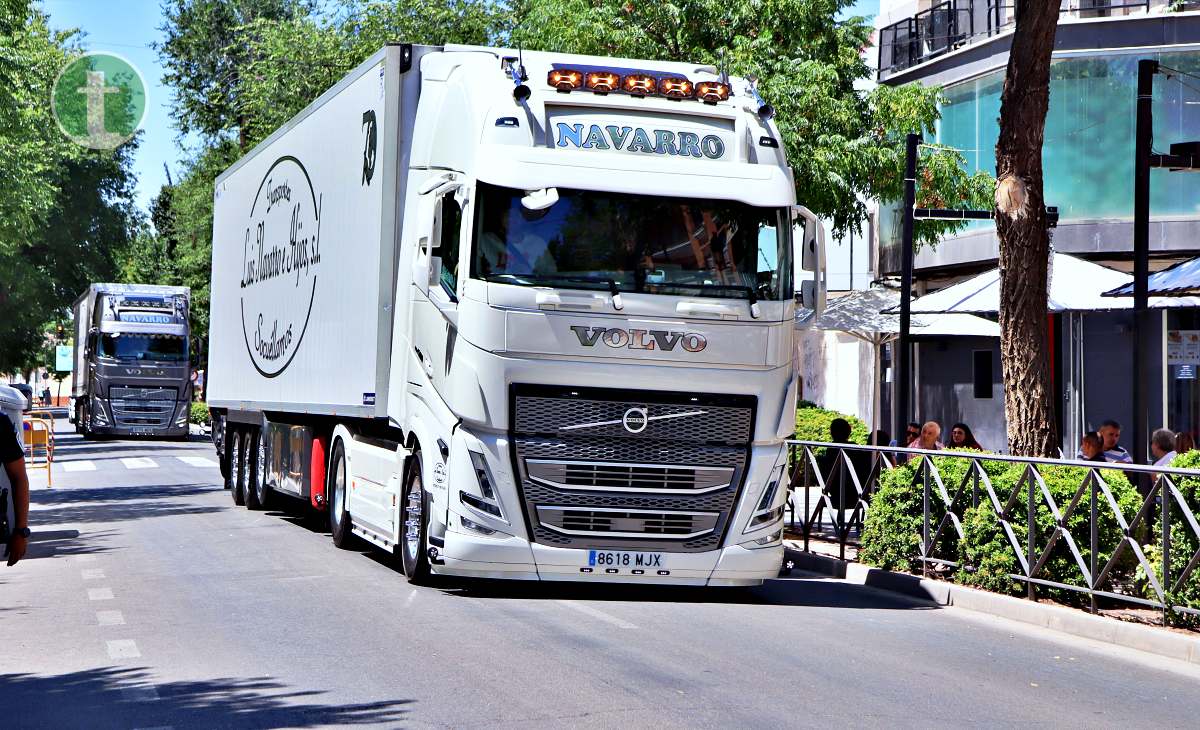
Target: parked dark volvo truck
x=132 y=370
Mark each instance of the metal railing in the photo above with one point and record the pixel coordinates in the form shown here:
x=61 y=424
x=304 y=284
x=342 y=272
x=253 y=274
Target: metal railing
x=846 y=477
x=949 y=25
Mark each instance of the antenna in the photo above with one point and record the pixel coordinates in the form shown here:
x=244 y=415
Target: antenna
x=724 y=66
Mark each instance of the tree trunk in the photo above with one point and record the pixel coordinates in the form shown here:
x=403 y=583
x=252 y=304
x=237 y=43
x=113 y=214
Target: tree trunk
x=1024 y=239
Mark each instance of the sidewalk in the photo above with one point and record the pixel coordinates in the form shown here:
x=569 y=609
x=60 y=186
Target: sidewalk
x=1166 y=642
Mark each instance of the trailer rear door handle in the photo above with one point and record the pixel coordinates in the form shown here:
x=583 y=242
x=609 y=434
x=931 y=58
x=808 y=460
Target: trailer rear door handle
x=555 y=300
x=706 y=309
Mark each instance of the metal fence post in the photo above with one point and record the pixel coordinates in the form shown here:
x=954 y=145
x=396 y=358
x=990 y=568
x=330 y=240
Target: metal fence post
x=1095 y=540
x=842 y=532
x=926 y=551
x=1164 y=485
x=1032 y=517
x=804 y=481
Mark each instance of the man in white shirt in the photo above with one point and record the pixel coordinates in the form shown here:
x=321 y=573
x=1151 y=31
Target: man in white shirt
x=1162 y=447
x=1110 y=433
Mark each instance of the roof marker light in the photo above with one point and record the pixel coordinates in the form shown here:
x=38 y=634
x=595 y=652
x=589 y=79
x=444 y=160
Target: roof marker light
x=565 y=80
x=602 y=82
x=639 y=84
x=675 y=87
x=710 y=92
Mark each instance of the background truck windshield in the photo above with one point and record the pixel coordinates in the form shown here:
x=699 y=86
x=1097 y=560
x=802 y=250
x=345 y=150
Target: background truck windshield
x=141 y=347
x=656 y=245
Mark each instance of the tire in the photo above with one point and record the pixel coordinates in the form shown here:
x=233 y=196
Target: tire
x=86 y=419
x=335 y=493
x=259 y=496
x=237 y=466
x=228 y=466
x=253 y=472
x=414 y=537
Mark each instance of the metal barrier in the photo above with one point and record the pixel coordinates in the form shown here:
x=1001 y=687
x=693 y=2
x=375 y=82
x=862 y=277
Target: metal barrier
x=39 y=441
x=833 y=470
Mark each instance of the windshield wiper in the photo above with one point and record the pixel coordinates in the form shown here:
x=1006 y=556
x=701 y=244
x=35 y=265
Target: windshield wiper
x=751 y=294
x=613 y=288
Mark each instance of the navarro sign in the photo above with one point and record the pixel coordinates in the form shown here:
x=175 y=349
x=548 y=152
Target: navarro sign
x=637 y=139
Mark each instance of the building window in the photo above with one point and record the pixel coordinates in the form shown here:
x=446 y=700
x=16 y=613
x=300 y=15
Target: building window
x=983 y=374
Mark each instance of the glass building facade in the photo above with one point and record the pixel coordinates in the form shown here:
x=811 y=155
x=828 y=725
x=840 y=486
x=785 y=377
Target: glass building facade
x=1088 y=150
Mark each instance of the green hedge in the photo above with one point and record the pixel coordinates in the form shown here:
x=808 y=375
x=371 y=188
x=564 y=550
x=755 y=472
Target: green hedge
x=1183 y=545
x=891 y=534
x=200 y=414
x=812 y=424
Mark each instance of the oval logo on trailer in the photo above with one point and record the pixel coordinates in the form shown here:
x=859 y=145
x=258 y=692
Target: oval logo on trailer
x=280 y=257
x=635 y=420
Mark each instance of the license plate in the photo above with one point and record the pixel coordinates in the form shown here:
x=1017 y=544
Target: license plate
x=623 y=559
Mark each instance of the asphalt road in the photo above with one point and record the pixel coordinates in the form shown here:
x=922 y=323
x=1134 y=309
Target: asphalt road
x=148 y=601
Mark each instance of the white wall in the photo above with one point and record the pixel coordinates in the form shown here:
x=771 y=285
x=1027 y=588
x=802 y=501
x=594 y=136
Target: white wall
x=837 y=372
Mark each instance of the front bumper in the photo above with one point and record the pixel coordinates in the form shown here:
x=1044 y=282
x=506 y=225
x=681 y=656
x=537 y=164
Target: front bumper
x=511 y=557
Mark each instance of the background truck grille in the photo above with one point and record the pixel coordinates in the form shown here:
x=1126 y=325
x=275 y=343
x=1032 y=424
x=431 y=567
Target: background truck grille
x=670 y=482
x=142 y=412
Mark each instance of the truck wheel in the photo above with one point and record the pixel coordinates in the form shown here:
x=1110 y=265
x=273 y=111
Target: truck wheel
x=253 y=456
x=339 y=517
x=414 y=537
x=237 y=466
x=259 y=496
x=85 y=419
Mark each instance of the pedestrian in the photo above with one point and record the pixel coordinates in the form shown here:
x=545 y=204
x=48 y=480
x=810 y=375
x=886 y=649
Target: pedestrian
x=882 y=438
x=962 y=438
x=843 y=495
x=928 y=437
x=911 y=433
x=1091 y=447
x=14 y=498
x=1184 y=442
x=1162 y=447
x=46 y=397
x=1110 y=434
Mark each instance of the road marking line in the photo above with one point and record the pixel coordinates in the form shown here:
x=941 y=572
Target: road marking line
x=79 y=466
x=597 y=613
x=140 y=694
x=110 y=618
x=138 y=462
x=123 y=649
x=197 y=461
x=85 y=558
x=100 y=594
x=92 y=573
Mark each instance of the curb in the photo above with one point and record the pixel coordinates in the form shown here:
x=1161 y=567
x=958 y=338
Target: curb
x=1071 y=621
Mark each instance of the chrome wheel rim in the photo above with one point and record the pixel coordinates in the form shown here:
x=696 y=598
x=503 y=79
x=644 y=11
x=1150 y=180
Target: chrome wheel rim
x=413 y=508
x=244 y=475
x=339 y=488
x=235 y=465
x=260 y=474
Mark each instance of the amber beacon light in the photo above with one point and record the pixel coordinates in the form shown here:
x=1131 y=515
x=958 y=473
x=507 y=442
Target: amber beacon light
x=640 y=84
x=711 y=92
x=602 y=82
x=675 y=87
x=565 y=79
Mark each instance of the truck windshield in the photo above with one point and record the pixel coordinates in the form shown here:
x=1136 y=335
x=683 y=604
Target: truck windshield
x=656 y=245
x=142 y=347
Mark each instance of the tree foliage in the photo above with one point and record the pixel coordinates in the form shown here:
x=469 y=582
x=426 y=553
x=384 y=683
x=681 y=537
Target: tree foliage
x=67 y=211
x=845 y=145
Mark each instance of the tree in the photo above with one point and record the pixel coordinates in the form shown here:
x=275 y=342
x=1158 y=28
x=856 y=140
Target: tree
x=66 y=211
x=844 y=145
x=204 y=54
x=1024 y=238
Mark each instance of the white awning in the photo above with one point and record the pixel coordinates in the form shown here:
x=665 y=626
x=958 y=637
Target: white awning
x=1076 y=285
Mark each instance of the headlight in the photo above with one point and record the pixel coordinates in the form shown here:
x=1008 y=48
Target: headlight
x=488 y=503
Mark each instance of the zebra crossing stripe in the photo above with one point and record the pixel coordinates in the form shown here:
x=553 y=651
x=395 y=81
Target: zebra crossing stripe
x=79 y=466
x=197 y=461
x=138 y=462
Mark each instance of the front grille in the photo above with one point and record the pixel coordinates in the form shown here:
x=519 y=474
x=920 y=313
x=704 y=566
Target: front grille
x=628 y=523
x=142 y=412
x=593 y=476
x=611 y=476
x=127 y=392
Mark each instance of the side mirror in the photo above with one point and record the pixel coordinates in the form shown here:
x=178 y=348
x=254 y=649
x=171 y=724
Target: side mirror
x=811 y=254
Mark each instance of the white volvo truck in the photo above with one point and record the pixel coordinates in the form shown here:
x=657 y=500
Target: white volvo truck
x=518 y=316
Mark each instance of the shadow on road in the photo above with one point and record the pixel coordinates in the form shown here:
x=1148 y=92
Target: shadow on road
x=128 y=697
x=64 y=543
x=116 y=503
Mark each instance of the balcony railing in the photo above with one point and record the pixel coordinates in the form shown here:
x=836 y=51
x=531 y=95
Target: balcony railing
x=955 y=23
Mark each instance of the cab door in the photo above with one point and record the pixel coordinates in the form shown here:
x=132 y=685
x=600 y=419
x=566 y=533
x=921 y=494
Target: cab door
x=438 y=278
